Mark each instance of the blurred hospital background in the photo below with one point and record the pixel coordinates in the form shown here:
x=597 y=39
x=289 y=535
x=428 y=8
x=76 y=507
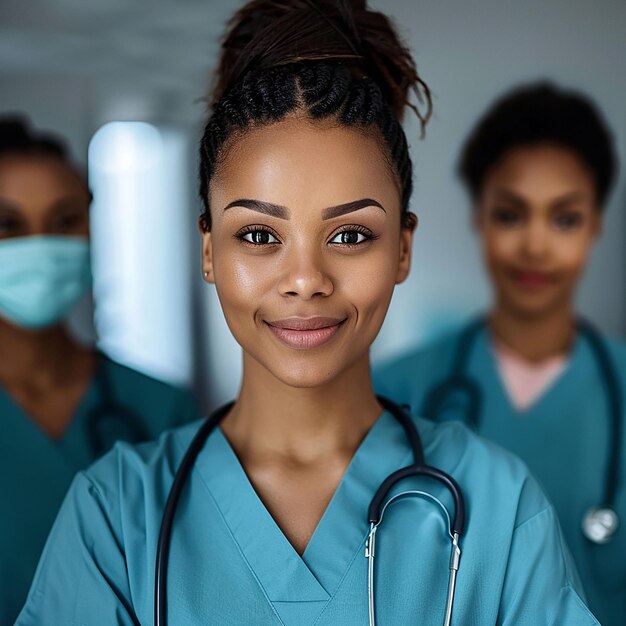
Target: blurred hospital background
x=124 y=82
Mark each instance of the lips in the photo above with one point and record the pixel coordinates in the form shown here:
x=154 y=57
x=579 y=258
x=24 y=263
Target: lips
x=531 y=279
x=302 y=333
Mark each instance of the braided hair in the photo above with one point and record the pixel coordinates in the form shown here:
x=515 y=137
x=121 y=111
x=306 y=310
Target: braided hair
x=328 y=59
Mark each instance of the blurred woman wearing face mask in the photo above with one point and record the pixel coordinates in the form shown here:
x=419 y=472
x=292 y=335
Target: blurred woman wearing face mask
x=61 y=404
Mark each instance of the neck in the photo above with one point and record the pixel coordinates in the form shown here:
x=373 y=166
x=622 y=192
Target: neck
x=301 y=424
x=534 y=337
x=46 y=353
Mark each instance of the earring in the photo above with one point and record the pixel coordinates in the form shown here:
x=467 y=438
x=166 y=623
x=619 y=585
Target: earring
x=206 y=274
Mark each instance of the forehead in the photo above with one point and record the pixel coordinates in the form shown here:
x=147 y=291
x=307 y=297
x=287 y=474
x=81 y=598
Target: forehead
x=303 y=163
x=37 y=178
x=544 y=168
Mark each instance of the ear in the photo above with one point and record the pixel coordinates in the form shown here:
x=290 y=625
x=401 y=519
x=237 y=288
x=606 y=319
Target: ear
x=409 y=224
x=207 y=251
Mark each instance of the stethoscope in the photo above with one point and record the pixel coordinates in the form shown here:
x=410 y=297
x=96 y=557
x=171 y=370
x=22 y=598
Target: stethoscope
x=600 y=523
x=108 y=411
x=376 y=511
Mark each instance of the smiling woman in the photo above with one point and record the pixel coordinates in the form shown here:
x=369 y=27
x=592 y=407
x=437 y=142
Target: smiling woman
x=306 y=180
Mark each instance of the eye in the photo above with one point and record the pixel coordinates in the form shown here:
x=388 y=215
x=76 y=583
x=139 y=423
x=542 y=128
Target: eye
x=567 y=220
x=10 y=226
x=506 y=217
x=257 y=236
x=67 y=222
x=352 y=236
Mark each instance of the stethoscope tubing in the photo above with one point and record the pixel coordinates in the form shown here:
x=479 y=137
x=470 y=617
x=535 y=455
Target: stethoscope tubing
x=165 y=533
x=459 y=380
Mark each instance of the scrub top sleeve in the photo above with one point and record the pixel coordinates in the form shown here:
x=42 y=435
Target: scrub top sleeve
x=541 y=585
x=81 y=577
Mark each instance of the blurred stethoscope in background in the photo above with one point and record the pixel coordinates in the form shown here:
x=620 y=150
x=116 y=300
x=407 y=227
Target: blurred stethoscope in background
x=600 y=523
x=376 y=511
x=110 y=421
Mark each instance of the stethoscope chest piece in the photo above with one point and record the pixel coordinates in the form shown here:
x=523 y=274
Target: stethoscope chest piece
x=600 y=524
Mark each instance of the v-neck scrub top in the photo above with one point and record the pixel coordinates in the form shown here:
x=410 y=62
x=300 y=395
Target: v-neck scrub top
x=563 y=437
x=230 y=564
x=36 y=471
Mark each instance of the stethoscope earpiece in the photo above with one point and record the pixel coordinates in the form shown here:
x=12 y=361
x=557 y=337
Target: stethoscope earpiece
x=600 y=524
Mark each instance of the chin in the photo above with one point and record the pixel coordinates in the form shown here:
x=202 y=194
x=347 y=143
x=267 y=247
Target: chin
x=533 y=307
x=305 y=376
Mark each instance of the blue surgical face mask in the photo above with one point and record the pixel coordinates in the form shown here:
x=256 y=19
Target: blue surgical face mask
x=41 y=278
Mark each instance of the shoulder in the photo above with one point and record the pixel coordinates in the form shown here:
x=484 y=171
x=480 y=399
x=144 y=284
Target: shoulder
x=124 y=376
x=159 y=403
x=493 y=479
x=616 y=348
x=128 y=470
x=440 y=347
x=406 y=376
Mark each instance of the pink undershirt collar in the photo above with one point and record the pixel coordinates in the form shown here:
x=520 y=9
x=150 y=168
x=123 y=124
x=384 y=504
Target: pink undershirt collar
x=524 y=381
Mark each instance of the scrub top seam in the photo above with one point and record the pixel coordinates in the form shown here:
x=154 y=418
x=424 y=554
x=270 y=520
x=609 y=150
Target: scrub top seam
x=360 y=549
x=579 y=601
x=547 y=508
x=345 y=574
x=239 y=549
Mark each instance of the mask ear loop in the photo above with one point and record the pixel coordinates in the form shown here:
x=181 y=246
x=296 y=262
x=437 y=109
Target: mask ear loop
x=370 y=552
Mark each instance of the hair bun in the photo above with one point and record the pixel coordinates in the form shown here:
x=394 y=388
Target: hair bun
x=269 y=33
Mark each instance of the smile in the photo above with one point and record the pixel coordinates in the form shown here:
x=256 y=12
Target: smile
x=532 y=279
x=305 y=333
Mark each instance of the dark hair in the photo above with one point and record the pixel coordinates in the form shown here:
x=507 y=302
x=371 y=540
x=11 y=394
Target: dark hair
x=534 y=114
x=16 y=137
x=332 y=59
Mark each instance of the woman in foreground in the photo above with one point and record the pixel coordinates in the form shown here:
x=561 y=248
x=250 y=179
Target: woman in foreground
x=306 y=180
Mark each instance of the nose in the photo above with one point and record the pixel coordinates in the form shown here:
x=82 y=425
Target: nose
x=304 y=276
x=536 y=240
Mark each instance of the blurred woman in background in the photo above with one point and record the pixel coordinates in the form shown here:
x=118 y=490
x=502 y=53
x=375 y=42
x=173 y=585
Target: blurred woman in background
x=531 y=375
x=61 y=404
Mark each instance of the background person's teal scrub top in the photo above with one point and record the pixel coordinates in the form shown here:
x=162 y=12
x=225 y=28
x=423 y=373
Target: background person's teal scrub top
x=36 y=471
x=563 y=438
x=231 y=565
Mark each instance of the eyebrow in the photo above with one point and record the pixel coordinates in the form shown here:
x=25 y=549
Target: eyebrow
x=568 y=199
x=281 y=212
x=510 y=196
x=560 y=202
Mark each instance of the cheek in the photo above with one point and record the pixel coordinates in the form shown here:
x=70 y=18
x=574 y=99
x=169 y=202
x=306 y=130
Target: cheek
x=571 y=253
x=499 y=247
x=369 y=282
x=240 y=280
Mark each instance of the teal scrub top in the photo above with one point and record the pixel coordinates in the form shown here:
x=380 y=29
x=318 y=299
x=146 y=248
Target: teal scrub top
x=563 y=438
x=36 y=471
x=230 y=564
